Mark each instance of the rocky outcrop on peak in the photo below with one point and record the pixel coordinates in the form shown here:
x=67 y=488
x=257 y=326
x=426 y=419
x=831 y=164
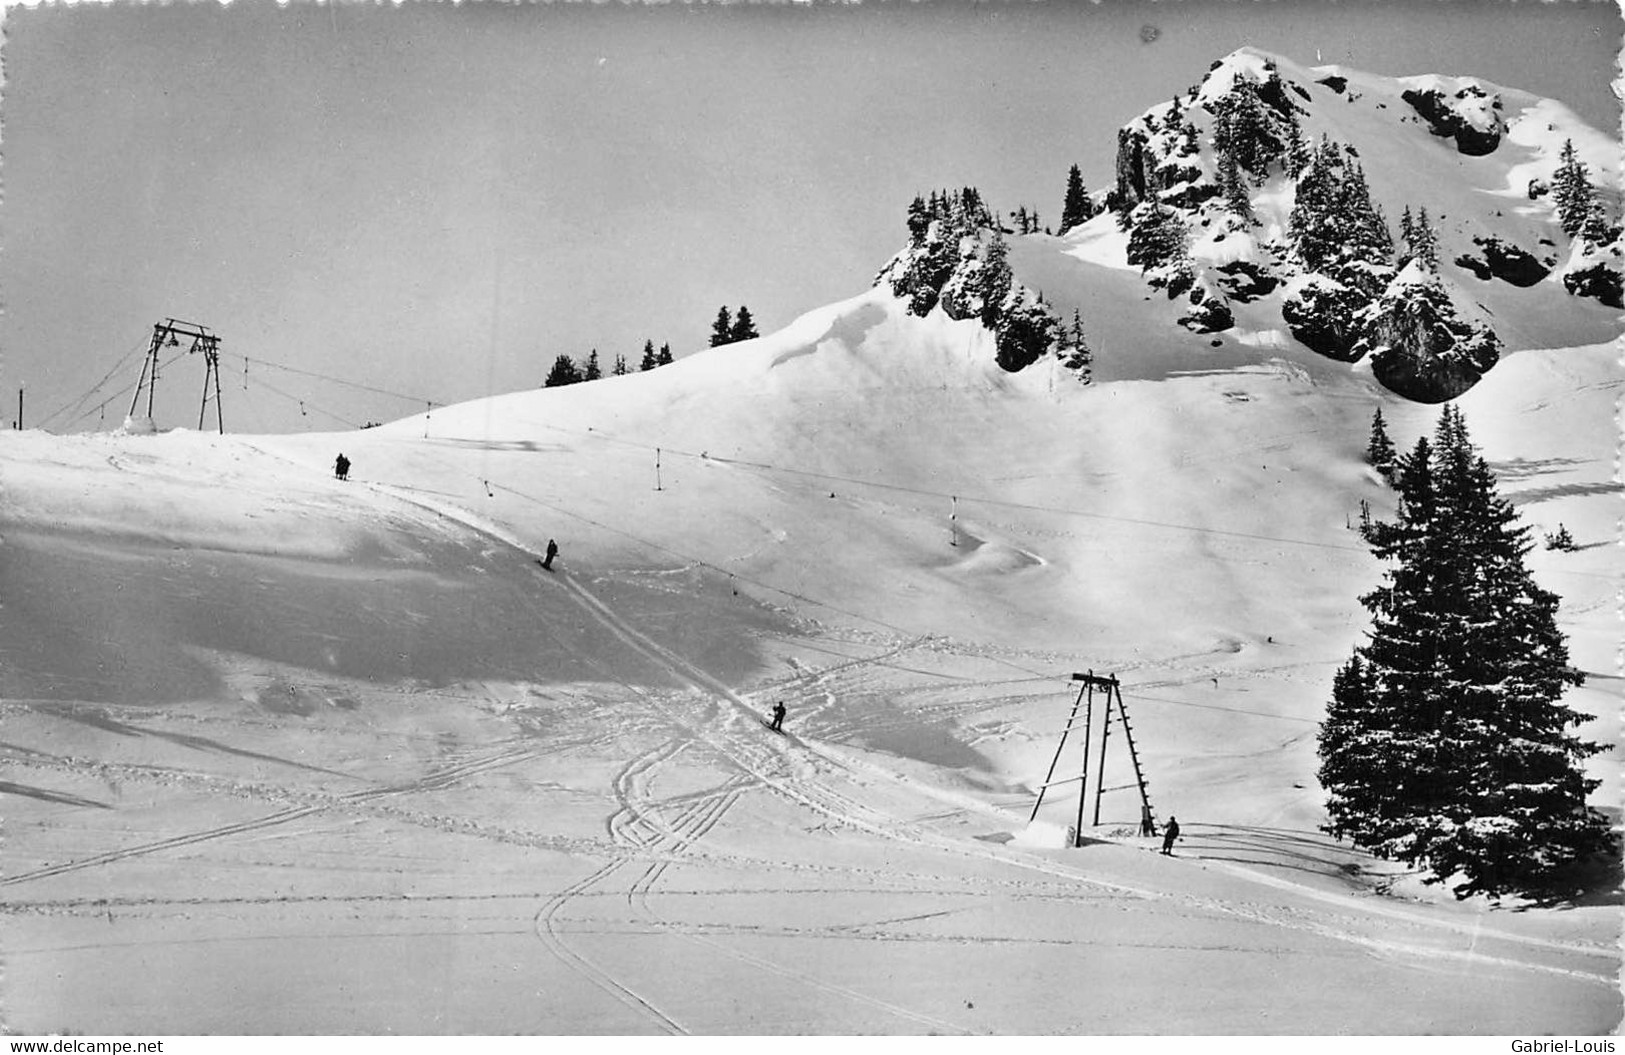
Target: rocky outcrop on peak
x=1471 y=116
x=1497 y=259
x=957 y=261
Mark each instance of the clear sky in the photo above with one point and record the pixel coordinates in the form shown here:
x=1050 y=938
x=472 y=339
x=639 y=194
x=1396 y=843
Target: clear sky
x=437 y=200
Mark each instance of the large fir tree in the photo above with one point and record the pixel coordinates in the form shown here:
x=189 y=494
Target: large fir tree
x=1446 y=744
x=744 y=327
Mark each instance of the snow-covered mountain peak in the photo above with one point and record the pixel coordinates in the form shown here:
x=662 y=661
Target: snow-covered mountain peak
x=1244 y=65
x=1273 y=193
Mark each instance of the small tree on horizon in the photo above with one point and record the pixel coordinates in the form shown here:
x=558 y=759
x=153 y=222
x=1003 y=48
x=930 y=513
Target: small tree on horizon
x=744 y=327
x=592 y=372
x=1076 y=206
x=620 y=365
x=664 y=358
x=564 y=372
x=648 y=361
x=721 y=328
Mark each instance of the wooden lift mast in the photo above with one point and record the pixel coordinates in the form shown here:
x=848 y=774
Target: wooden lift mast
x=167 y=334
x=1112 y=692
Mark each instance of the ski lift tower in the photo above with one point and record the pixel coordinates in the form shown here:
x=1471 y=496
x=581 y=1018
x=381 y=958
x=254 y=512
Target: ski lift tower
x=1089 y=686
x=167 y=334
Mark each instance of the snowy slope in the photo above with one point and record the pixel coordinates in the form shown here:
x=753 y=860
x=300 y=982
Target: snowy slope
x=349 y=740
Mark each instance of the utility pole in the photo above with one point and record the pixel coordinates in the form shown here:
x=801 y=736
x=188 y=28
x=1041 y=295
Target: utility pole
x=20 y=407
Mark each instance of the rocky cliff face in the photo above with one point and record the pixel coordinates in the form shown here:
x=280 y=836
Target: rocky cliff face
x=1268 y=183
x=1369 y=218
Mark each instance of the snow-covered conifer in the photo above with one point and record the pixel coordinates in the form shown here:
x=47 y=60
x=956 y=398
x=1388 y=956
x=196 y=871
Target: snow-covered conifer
x=1159 y=236
x=1571 y=190
x=1425 y=241
x=1379 y=450
x=721 y=328
x=1078 y=355
x=564 y=372
x=919 y=218
x=995 y=278
x=1233 y=185
x=1076 y=207
x=1446 y=744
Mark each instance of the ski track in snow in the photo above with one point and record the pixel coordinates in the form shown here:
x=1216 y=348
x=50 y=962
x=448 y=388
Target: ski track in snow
x=749 y=755
x=648 y=834
x=435 y=781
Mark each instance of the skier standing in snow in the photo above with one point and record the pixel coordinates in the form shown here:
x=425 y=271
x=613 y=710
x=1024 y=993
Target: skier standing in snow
x=552 y=551
x=341 y=467
x=778 y=717
x=1169 y=835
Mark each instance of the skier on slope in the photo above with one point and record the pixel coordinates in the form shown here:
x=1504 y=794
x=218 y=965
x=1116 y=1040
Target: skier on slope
x=341 y=467
x=1169 y=835
x=778 y=717
x=552 y=551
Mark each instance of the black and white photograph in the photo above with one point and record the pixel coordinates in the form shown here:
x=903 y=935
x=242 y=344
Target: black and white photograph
x=1019 y=518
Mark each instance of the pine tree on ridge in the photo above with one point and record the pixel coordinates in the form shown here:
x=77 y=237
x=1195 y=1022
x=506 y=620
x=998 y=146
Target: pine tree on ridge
x=744 y=327
x=721 y=328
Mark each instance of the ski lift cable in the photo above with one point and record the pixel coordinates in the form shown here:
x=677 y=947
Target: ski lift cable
x=95 y=409
x=1130 y=694
x=306 y=403
x=117 y=395
x=929 y=493
x=495 y=485
x=68 y=408
x=334 y=380
x=690 y=559
x=925 y=492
